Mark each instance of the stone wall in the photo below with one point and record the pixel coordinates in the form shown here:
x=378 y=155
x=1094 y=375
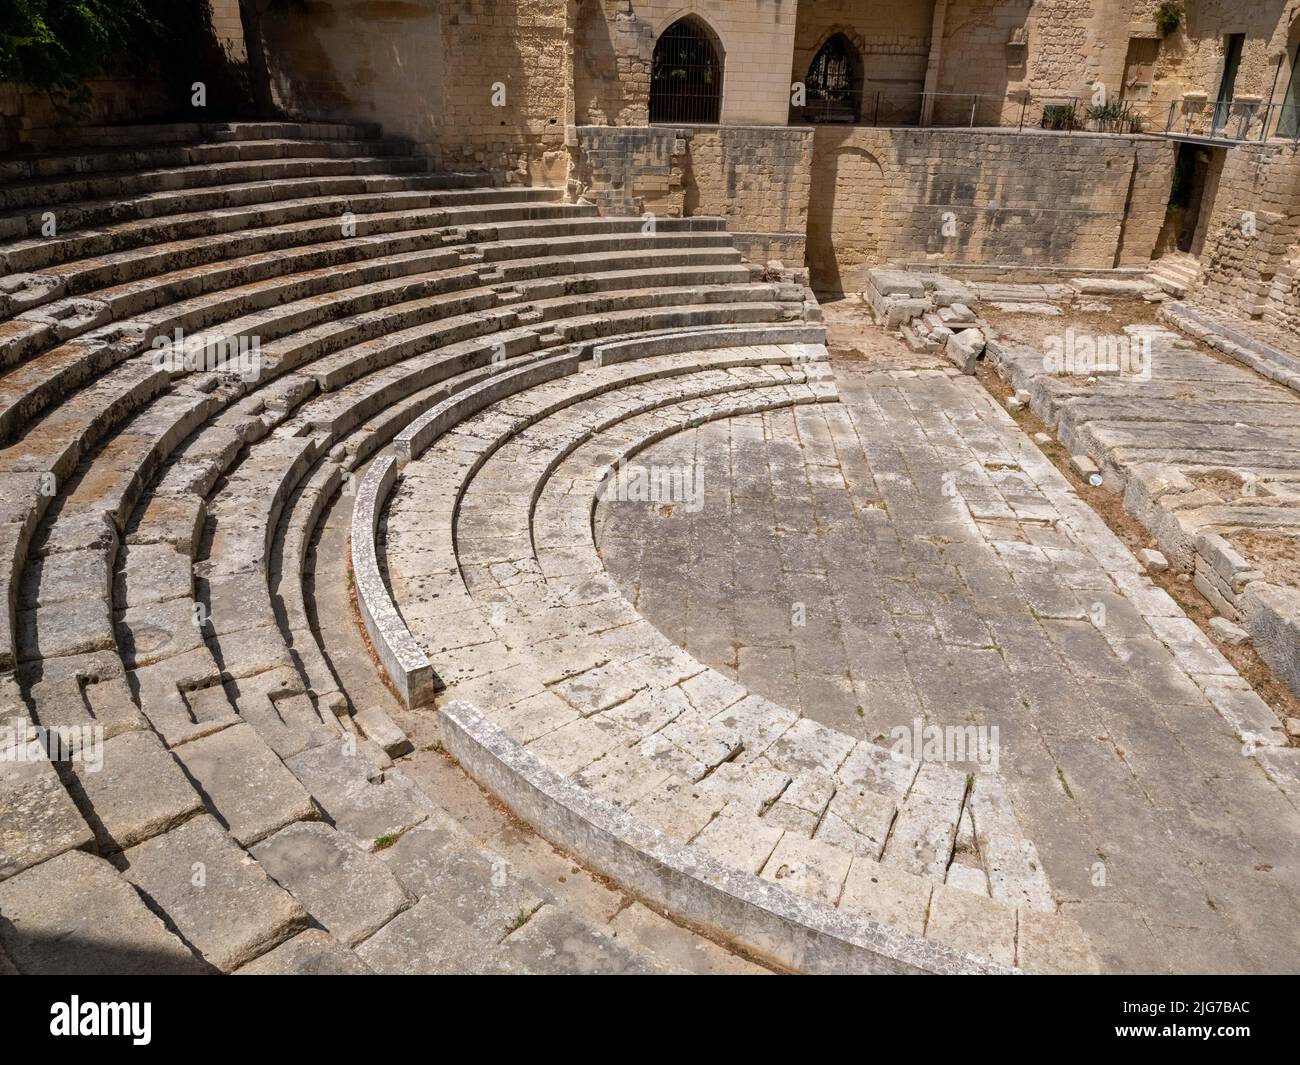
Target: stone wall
x=345 y=60
x=757 y=178
x=479 y=83
x=613 y=49
x=630 y=170
x=1251 y=261
x=228 y=28
x=912 y=196
x=757 y=38
x=859 y=197
x=30 y=119
x=893 y=41
x=521 y=49
x=1192 y=59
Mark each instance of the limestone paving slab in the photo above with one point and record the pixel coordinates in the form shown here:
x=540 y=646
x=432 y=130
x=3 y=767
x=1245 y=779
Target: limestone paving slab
x=38 y=819
x=216 y=896
x=247 y=785
x=351 y=892
x=309 y=953
x=122 y=811
x=75 y=914
x=926 y=452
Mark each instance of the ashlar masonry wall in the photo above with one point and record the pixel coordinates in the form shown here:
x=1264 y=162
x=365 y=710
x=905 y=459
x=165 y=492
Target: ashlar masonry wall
x=863 y=197
x=989 y=196
x=757 y=178
x=1251 y=260
x=893 y=40
x=1192 y=59
x=484 y=83
x=614 y=51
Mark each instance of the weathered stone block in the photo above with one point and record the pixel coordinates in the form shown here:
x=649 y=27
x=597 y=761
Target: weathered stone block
x=139 y=792
x=964 y=349
x=221 y=902
x=38 y=819
x=247 y=785
x=77 y=915
x=349 y=891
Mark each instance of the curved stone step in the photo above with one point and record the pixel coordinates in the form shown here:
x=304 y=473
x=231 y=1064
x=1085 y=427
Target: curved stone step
x=82 y=214
x=129 y=160
x=97 y=137
x=35 y=383
x=408 y=668
x=35 y=254
x=52 y=193
x=200 y=308
x=966 y=908
x=78 y=276
x=233 y=743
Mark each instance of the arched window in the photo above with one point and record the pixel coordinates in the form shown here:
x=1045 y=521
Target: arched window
x=686 y=77
x=835 y=82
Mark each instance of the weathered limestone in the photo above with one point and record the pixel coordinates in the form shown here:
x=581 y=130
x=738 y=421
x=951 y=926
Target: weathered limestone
x=77 y=915
x=1204 y=455
x=964 y=349
x=405 y=663
x=123 y=811
x=258 y=779
x=310 y=953
x=349 y=891
x=684 y=810
x=38 y=819
x=804 y=935
x=223 y=904
x=247 y=786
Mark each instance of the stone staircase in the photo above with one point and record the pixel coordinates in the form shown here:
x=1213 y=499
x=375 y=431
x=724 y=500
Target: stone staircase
x=205 y=338
x=223 y=352
x=1176 y=273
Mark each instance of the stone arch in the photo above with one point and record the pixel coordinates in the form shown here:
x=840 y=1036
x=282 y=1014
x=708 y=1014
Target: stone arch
x=844 y=219
x=834 y=79
x=688 y=72
x=841 y=29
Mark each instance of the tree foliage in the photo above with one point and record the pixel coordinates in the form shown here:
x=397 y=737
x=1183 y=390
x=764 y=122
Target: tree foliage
x=59 y=45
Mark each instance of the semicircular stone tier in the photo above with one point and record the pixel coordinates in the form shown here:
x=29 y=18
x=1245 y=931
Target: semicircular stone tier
x=489 y=550
x=162 y=496
x=179 y=577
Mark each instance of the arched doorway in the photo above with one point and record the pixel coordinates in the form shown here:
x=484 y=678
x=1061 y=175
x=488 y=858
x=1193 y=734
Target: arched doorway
x=834 y=82
x=844 y=220
x=686 y=75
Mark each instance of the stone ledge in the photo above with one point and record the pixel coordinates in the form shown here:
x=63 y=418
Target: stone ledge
x=706 y=339
x=404 y=662
x=1275 y=364
x=758 y=915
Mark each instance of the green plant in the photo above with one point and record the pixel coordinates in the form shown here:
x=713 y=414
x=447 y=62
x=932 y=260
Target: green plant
x=59 y=44
x=1107 y=112
x=1060 y=116
x=1115 y=117
x=1170 y=17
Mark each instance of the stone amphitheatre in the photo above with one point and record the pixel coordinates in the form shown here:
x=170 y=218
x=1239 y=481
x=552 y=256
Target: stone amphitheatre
x=721 y=486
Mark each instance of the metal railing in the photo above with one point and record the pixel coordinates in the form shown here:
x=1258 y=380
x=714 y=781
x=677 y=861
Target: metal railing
x=1234 y=121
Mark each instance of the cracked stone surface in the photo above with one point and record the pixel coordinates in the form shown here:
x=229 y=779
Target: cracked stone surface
x=181 y=585
x=909 y=554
